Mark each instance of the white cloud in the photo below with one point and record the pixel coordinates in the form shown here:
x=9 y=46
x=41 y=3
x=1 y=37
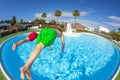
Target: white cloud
x=82 y=13
x=85 y=13
x=115 y=21
x=114 y=18
x=87 y=23
x=113 y=24
x=50 y=15
x=38 y=15
x=67 y=14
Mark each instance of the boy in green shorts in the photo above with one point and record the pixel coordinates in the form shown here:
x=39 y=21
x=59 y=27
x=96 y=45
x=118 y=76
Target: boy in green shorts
x=45 y=38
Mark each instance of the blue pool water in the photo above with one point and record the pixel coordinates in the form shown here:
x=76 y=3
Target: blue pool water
x=87 y=57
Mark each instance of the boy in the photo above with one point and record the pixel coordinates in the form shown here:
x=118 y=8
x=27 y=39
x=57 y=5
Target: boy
x=45 y=38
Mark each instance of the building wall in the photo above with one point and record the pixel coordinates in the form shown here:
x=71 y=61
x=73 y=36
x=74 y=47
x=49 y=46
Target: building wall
x=89 y=29
x=103 y=29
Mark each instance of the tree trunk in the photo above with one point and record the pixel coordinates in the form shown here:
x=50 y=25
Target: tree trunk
x=75 y=21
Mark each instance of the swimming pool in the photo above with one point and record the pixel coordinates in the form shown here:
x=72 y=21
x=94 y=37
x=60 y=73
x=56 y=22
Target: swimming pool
x=87 y=57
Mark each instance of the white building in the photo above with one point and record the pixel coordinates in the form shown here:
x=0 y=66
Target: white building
x=103 y=29
x=89 y=29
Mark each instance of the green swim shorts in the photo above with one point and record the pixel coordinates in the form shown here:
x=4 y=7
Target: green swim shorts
x=46 y=36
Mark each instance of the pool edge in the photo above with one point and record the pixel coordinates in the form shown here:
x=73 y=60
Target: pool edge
x=7 y=76
x=4 y=73
x=116 y=74
x=1 y=66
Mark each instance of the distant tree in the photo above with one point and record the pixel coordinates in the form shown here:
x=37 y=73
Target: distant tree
x=41 y=21
x=21 y=21
x=44 y=15
x=62 y=26
x=2 y=22
x=75 y=14
x=5 y=22
x=8 y=21
x=58 y=14
x=118 y=39
x=36 y=21
x=53 y=22
x=115 y=35
x=13 y=21
x=119 y=29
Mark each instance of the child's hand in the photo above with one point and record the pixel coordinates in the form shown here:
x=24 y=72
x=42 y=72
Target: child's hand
x=14 y=46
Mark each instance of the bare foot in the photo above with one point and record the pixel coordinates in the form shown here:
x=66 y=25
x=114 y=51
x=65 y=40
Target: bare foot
x=14 y=46
x=27 y=73
x=22 y=75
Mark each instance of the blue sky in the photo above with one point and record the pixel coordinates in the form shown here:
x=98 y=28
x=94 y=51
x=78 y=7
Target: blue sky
x=92 y=12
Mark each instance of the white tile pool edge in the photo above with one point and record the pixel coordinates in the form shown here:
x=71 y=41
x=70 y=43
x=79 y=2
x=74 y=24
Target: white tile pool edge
x=1 y=67
x=8 y=78
x=116 y=73
x=4 y=73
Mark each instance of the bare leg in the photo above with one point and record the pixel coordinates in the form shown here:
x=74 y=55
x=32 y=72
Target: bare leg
x=33 y=56
x=19 y=42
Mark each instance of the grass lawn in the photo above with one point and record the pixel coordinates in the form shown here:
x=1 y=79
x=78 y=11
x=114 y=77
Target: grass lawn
x=2 y=76
x=6 y=37
x=118 y=77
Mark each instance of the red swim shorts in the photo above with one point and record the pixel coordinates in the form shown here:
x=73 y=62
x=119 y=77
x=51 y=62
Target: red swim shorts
x=32 y=36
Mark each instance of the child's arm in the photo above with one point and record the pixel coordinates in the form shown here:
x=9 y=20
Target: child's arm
x=63 y=42
x=32 y=36
x=19 y=42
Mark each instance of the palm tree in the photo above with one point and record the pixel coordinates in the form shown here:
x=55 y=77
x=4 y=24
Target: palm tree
x=75 y=14
x=8 y=21
x=2 y=22
x=119 y=29
x=13 y=21
x=21 y=21
x=57 y=14
x=119 y=36
x=44 y=15
x=36 y=21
